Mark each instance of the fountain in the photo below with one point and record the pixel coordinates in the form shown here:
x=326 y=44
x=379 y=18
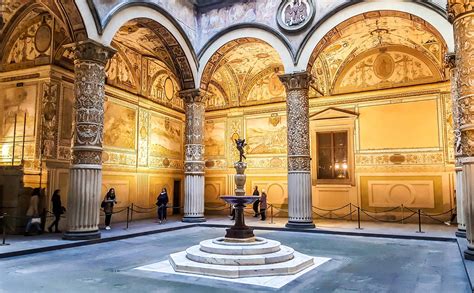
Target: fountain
x=240 y=254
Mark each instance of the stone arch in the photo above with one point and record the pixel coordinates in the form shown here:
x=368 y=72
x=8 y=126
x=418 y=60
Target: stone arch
x=259 y=32
x=247 y=69
x=424 y=12
x=105 y=31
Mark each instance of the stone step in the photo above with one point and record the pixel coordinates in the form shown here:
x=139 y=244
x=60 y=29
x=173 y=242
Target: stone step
x=299 y=262
x=217 y=246
x=194 y=253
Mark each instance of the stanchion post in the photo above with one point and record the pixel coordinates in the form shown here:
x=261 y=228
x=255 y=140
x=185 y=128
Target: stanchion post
x=358 y=218
x=131 y=213
x=350 y=210
x=402 y=213
x=419 y=222
x=128 y=214
x=271 y=214
x=4 y=228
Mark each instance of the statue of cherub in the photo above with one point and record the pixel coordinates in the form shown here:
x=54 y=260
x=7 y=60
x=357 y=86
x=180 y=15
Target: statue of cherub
x=240 y=143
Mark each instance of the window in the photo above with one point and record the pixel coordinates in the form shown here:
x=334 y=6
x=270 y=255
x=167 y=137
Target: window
x=332 y=156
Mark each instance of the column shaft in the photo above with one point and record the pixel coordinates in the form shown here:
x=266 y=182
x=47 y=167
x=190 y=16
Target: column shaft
x=194 y=156
x=450 y=61
x=299 y=170
x=85 y=177
x=461 y=13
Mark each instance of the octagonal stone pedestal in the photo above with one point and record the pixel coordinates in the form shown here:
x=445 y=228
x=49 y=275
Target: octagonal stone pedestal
x=220 y=258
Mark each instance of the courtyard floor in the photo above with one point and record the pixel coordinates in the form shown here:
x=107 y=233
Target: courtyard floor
x=358 y=264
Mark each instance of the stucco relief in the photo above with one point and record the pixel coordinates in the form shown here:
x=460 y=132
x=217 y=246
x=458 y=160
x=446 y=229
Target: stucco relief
x=420 y=158
x=464 y=41
x=50 y=119
x=297 y=86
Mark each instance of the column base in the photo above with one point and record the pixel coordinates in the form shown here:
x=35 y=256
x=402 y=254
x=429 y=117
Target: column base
x=87 y=235
x=300 y=225
x=193 y=219
x=469 y=254
x=461 y=233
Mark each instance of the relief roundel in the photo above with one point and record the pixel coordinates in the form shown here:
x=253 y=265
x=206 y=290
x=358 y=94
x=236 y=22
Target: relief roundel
x=169 y=89
x=43 y=38
x=294 y=15
x=384 y=66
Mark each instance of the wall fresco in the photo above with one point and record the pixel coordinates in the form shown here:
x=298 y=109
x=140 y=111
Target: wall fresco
x=120 y=123
x=266 y=135
x=166 y=137
x=18 y=101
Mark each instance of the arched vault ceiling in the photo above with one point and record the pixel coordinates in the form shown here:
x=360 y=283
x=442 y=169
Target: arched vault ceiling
x=150 y=39
x=367 y=31
x=243 y=73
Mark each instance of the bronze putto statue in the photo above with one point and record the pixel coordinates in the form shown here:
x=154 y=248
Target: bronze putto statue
x=240 y=143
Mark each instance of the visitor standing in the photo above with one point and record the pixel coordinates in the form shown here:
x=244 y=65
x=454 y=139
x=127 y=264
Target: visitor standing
x=161 y=202
x=58 y=210
x=255 y=203
x=32 y=214
x=263 y=205
x=108 y=206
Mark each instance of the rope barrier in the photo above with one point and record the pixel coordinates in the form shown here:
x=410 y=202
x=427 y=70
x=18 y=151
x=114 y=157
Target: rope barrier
x=325 y=210
x=336 y=217
x=387 y=221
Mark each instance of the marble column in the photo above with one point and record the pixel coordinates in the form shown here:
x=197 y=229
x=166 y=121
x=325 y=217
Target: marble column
x=299 y=167
x=461 y=14
x=194 y=105
x=450 y=61
x=85 y=177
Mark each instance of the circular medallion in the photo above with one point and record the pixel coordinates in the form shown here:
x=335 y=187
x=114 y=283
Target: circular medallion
x=166 y=162
x=384 y=66
x=43 y=38
x=294 y=15
x=169 y=89
x=275 y=87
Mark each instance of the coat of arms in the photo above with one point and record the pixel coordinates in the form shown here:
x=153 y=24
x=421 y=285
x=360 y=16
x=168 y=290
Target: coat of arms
x=294 y=15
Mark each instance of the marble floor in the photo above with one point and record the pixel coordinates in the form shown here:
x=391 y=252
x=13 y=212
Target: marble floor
x=357 y=264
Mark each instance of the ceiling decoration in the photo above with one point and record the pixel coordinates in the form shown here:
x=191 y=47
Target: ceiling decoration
x=149 y=38
x=243 y=72
x=33 y=31
x=404 y=50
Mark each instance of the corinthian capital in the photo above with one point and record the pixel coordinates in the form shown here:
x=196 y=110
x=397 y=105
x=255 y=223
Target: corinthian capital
x=457 y=8
x=90 y=50
x=296 y=81
x=193 y=96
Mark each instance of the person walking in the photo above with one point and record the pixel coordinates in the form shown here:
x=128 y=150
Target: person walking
x=108 y=206
x=161 y=202
x=255 y=203
x=32 y=214
x=58 y=210
x=263 y=205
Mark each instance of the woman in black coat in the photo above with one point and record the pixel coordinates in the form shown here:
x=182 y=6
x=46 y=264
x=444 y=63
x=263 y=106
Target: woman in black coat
x=58 y=210
x=161 y=202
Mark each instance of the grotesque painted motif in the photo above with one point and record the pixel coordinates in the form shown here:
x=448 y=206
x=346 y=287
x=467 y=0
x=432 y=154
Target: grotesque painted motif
x=405 y=50
x=243 y=72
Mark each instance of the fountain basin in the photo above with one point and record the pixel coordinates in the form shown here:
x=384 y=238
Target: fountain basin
x=239 y=199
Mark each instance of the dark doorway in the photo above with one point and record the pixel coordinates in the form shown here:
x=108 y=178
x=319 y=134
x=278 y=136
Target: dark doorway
x=176 y=197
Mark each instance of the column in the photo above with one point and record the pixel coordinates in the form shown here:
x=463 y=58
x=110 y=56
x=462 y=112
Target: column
x=299 y=173
x=461 y=13
x=451 y=64
x=85 y=177
x=194 y=105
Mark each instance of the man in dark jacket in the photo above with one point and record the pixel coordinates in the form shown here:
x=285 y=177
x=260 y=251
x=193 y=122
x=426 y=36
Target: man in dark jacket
x=162 y=202
x=257 y=202
x=58 y=210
